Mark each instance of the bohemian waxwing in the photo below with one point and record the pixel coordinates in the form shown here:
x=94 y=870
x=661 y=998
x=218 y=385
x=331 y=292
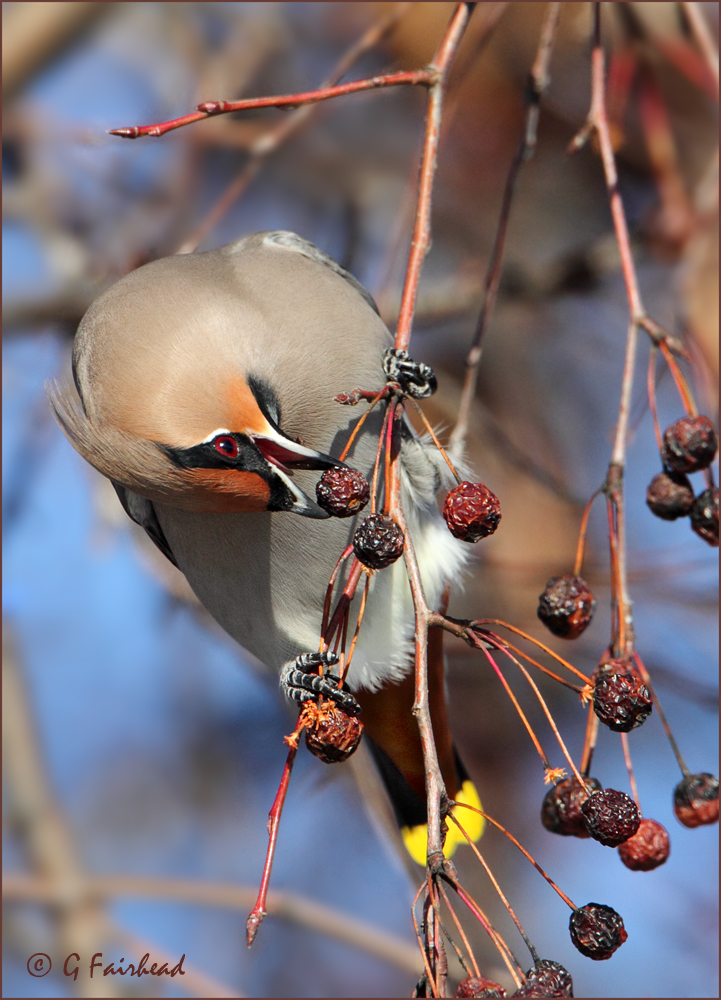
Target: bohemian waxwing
x=205 y=387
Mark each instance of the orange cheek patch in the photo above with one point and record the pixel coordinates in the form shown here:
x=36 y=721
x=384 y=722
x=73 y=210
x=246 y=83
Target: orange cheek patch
x=244 y=414
x=227 y=491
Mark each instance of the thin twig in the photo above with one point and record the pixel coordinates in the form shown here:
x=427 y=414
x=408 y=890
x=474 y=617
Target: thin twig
x=537 y=83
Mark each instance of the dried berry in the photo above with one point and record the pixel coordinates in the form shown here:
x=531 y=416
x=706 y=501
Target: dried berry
x=475 y=986
x=472 y=512
x=378 y=541
x=333 y=736
x=342 y=492
x=670 y=495
x=561 y=809
x=546 y=979
x=690 y=444
x=647 y=849
x=611 y=817
x=695 y=800
x=597 y=931
x=704 y=516
x=620 y=698
x=566 y=606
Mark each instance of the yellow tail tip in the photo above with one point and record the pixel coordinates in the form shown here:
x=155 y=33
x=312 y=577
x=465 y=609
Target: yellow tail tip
x=416 y=837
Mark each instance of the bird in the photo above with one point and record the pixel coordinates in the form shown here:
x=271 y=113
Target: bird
x=204 y=390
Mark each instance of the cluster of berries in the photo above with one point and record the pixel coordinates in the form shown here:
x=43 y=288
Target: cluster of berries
x=689 y=445
x=545 y=979
x=471 y=512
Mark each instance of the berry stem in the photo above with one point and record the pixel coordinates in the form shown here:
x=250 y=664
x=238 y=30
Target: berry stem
x=546 y=711
x=361 y=612
x=510 y=960
x=580 y=548
x=497 y=621
x=516 y=705
x=664 y=722
x=360 y=423
x=436 y=442
x=629 y=768
x=589 y=743
x=682 y=385
x=651 y=386
x=329 y=595
x=497 y=887
x=521 y=848
x=545 y=670
x=419 y=938
x=459 y=925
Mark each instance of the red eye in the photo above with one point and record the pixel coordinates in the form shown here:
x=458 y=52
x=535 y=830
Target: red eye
x=226 y=445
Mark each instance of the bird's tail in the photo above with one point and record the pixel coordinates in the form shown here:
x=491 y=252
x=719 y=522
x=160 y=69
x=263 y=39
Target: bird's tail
x=395 y=743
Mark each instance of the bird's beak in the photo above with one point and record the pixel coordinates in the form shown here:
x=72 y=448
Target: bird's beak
x=285 y=455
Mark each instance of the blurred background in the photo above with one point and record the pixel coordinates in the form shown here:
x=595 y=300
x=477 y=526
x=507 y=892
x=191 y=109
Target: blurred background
x=142 y=750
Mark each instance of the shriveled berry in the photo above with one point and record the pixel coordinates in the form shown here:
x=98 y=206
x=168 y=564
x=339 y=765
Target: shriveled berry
x=333 y=736
x=378 y=541
x=561 y=809
x=690 y=444
x=695 y=800
x=670 y=495
x=477 y=986
x=597 y=931
x=546 y=979
x=620 y=698
x=647 y=849
x=566 y=606
x=704 y=516
x=472 y=512
x=611 y=817
x=342 y=492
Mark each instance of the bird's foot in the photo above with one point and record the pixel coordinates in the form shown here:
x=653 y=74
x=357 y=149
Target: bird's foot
x=415 y=378
x=301 y=681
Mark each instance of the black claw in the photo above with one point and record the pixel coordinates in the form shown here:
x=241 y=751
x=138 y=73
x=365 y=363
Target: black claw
x=415 y=378
x=302 y=683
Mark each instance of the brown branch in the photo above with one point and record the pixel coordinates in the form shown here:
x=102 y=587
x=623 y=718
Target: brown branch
x=537 y=84
x=703 y=38
x=284 y=905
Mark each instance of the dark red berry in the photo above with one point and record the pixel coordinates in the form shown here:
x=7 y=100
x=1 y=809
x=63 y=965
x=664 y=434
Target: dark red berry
x=342 y=492
x=472 y=512
x=333 y=736
x=378 y=541
x=475 y=986
x=695 y=800
x=704 y=516
x=647 y=849
x=597 y=931
x=670 y=495
x=690 y=444
x=566 y=606
x=620 y=698
x=561 y=809
x=546 y=979
x=611 y=817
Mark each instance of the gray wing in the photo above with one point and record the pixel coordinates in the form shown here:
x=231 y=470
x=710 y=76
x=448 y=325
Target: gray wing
x=143 y=513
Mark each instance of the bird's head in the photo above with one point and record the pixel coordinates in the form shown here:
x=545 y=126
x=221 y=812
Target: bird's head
x=184 y=387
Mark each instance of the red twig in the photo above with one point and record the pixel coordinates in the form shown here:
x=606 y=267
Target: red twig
x=420 y=241
x=258 y=912
x=208 y=109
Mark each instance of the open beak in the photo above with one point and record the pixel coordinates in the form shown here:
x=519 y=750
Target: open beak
x=285 y=455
